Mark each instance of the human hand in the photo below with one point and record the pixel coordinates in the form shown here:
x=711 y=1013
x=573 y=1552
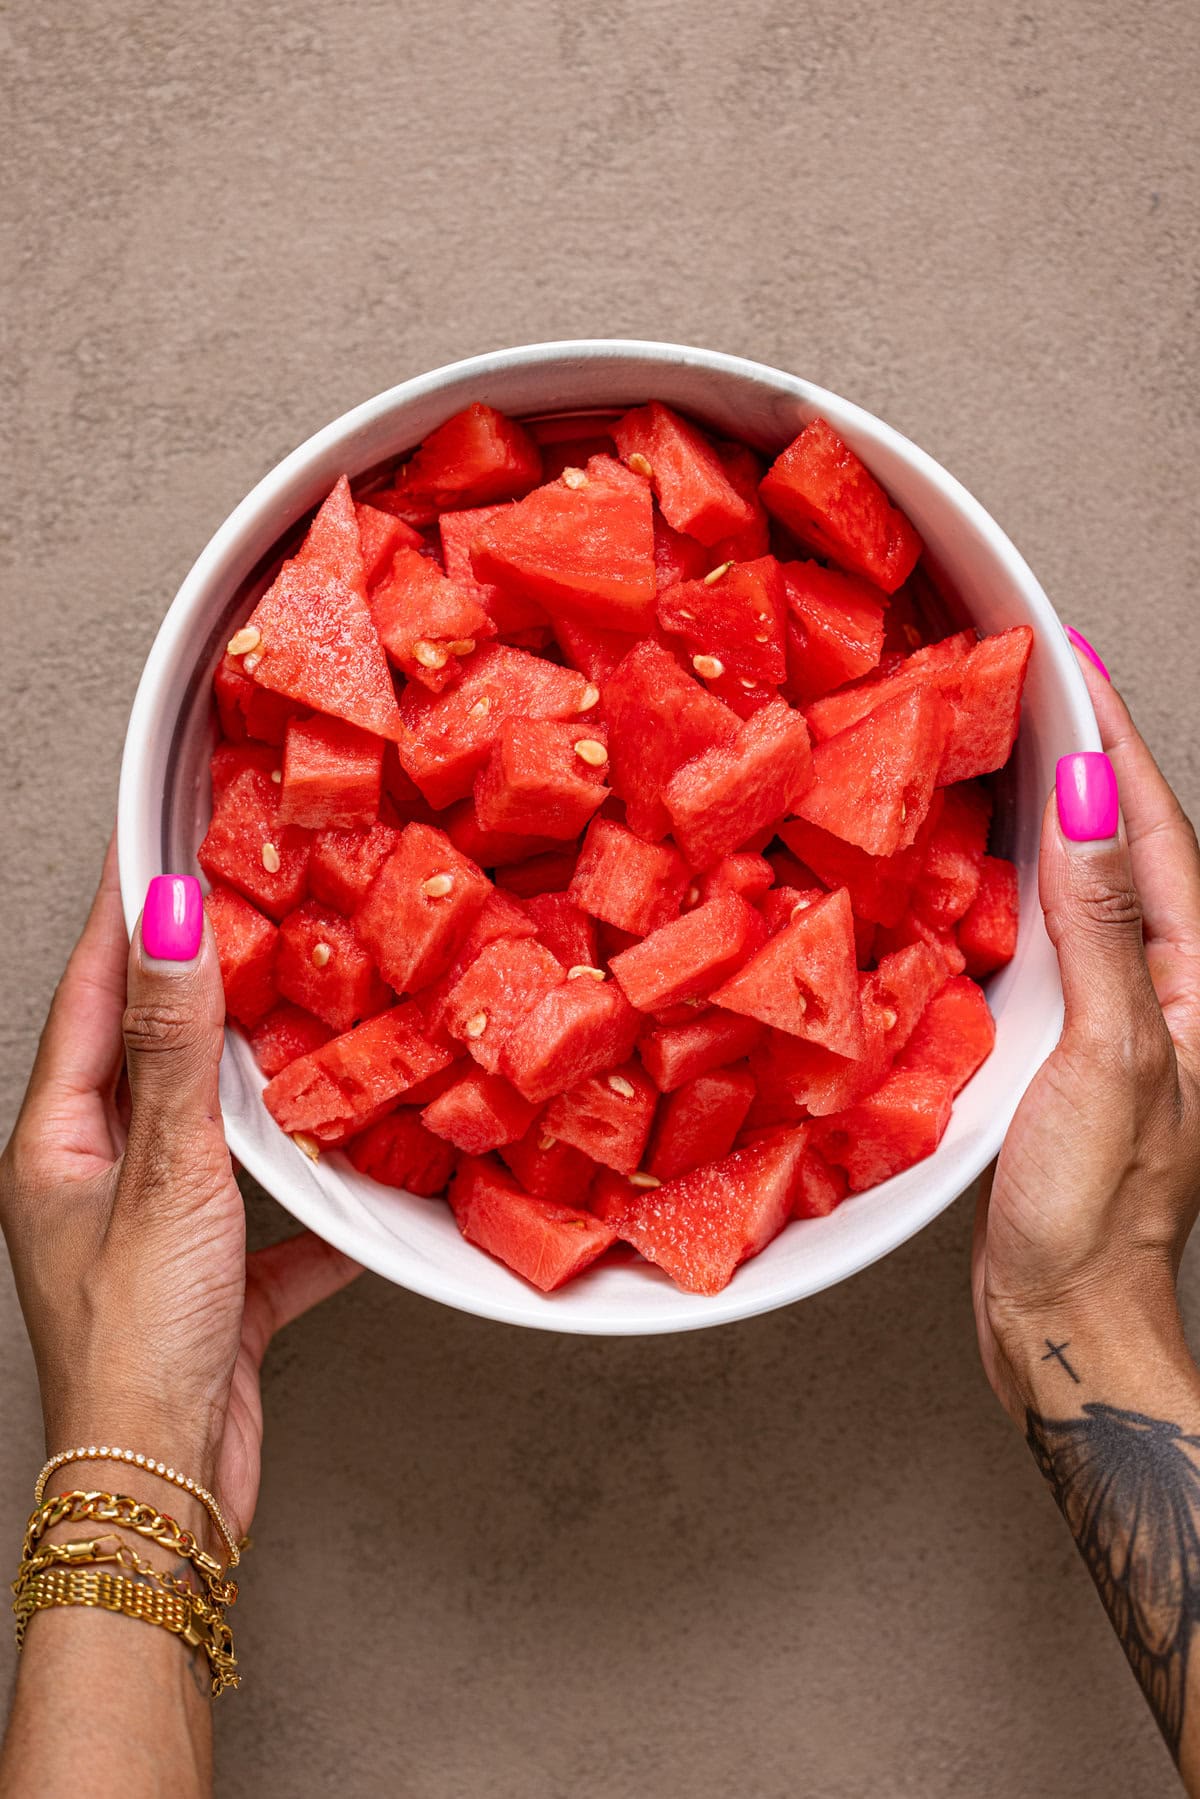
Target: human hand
x=1098 y=1184
x=126 y=1228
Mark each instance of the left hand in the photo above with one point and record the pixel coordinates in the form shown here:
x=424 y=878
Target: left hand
x=126 y=1228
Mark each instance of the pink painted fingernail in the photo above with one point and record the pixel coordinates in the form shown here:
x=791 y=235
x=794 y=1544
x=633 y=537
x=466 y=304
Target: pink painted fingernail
x=173 y=918
x=1088 y=804
x=1085 y=649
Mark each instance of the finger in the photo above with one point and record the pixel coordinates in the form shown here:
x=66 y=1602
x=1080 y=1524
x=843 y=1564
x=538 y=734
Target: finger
x=173 y=1017
x=286 y=1279
x=80 y=1050
x=1162 y=845
x=1093 y=914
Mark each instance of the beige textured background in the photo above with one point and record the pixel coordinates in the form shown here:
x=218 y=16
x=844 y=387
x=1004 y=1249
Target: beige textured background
x=804 y=1555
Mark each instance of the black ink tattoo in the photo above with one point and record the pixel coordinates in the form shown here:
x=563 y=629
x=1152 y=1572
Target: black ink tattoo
x=1054 y=1352
x=1129 y=1489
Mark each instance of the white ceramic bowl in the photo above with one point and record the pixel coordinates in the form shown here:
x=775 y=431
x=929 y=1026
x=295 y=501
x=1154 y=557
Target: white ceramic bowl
x=165 y=799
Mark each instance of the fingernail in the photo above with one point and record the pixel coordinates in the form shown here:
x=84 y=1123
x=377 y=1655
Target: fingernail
x=1088 y=803
x=1085 y=649
x=173 y=918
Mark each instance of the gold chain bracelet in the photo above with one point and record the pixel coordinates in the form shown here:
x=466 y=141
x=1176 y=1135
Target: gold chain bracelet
x=130 y=1514
x=51 y=1587
x=105 y=1453
x=93 y=1550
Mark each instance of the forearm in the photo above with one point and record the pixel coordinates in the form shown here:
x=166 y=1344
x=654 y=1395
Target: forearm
x=1112 y=1416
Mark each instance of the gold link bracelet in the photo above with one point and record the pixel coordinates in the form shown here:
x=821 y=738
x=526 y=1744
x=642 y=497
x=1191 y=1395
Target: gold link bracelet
x=65 y=1586
x=105 y=1453
x=130 y=1514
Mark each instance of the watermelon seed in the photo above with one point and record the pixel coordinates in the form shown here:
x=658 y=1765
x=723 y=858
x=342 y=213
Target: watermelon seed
x=437 y=886
x=309 y=1145
x=547 y=1142
x=709 y=668
x=620 y=1085
x=248 y=638
x=588 y=698
x=462 y=646
x=476 y=1025
x=888 y=1019
x=644 y=1180
x=576 y=1224
x=715 y=574
x=251 y=662
x=688 y=617
x=270 y=858
x=590 y=751
x=321 y=953
x=762 y=637
x=277 y=775
x=430 y=655
x=481 y=708
x=574 y=477
x=641 y=465
x=581 y=968
x=693 y=894
x=801 y=905
x=748 y=684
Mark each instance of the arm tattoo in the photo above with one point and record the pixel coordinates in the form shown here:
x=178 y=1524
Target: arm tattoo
x=1129 y=1489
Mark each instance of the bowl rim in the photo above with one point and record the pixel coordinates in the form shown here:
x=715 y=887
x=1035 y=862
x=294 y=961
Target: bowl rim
x=535 y=1310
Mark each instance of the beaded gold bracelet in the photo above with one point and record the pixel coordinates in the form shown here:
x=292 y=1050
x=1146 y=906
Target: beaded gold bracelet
x=105 y=1453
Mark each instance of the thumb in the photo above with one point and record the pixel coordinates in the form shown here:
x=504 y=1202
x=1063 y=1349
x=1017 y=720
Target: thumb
x=1093 y=914
x=174 y=1014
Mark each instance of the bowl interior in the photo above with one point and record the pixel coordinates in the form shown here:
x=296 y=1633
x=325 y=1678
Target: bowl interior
x=976 y=573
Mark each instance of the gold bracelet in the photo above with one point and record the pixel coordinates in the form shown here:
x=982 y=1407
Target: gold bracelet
x=118 y=1593
x=106 y=1454
x=130 y=1514
x=95 y=1550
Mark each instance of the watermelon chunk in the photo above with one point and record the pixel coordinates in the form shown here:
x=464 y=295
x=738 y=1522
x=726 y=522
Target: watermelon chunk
x=229 y=760
x=400 y=1152
x=332 y=775
x=690 y=956
x=836 y=629
x=509 y=612
x=700 y=1121
x=499 y=917
x=987 y=933
x=245 y=825
x=954 y=1035
x=342 y=864
x=676 y=1053
x=500 y=988
x=594 y=652
x=658 y=718
x=548 y=1168
x=820 y=1187
x=676 y=557
x=586 y=551
x=542 y=778
x=607 y=1116
x=724 y=795
x=953 y=857
x=246 y=945
x=426 y=623
x=576 y=1030
x=323 y=967
x=479 y=1112
x=873 y=784
x=825 y=496
x=984 y=695
x=547 y=1244
x=926 y=667
x=744 y=471
x=912 y=928
x=380 y=536
x=805 y=979
x=491 y=849
x=735 y=616
x=475 y=457
x=549 y=873
x=567 y=932
x=246 y=710
x=449 y=736
x=634 y=885
x=693 y=489
x=899 y=1124
x=879 y=886
x=701 y=1226
x=745 y=873
x=410 y=921
x=354 y=1079
x=283 y=1035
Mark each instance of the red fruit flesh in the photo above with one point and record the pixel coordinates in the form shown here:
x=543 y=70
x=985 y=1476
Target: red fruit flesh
x=724 y=795
x=987 y=933
x=380 y=536
x=496 y=992
x=476 y=457
x=676 y=1053
x=805 y=979
x=536 y=780
x=700 y=1121
x=873 y=784
x=408 y=923
x=246 y=946
x=954 y=1035
x=479 y=1112
x=322 y=966
x=547 y=1244
x=246 y=827
x=658 y=718
x=342 y=864
x=399 y=1151
x=821 y=491
x=332 y=775
x=607 y=1116
x=690 y=956
x=426 y=623
x=899 y=1124
x=619 y=878
x=509 y=612
x=924 y=668
x=284 y=1035
x=548 y=1168
x=585 y=552
x=576 y=1030
x=737 y=618
x=693 y=489
x=350 y=1081
x=837 y=629
x=567 y=931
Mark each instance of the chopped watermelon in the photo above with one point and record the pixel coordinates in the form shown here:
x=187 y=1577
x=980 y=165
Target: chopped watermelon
x=732 y=621
x=596 y=653
x=984 y=695
x=566 y=930
x=576 y=1030
x=509 y=612
x=332 y=775
x=419 y=907
x=323 y=967
x=548 y=1168
x=953 y=1036
x=744 y=471
x=400 y=1151
x=354 y=1079
x=479 y=1112
x=879 y=886
x=953 y=857
x=658 y=718
x=586 y=551
x=899 y=1124
x=284 y=1034
x=380 y=536
x=342 y=864
x=634 y=885
x=676 y=1053
x=491 y=849
x=820 y=490
x=229 y=760
x=246 y=946
x=912 y=928
x=745 y=873
x=426 y=623
x=701 y=1226
x=475 y=457
x=692 y=487
x=496 y=992
x=820 y=1186
x=547 y=1244
x=249 y=711
x=700 y=1121
x=836 y=629
x=805 y=979
x=548 y=873
x=725 y=794
x=873 y=784
x=248 y=846
x=501 y=916
x=924 y=668
x=676 y=557
x=987 y=933
x=690 y=956
x=542 y=777
x=607 y=1116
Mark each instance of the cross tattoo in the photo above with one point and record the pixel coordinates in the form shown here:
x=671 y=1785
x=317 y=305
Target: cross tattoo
x=1054 y=1351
